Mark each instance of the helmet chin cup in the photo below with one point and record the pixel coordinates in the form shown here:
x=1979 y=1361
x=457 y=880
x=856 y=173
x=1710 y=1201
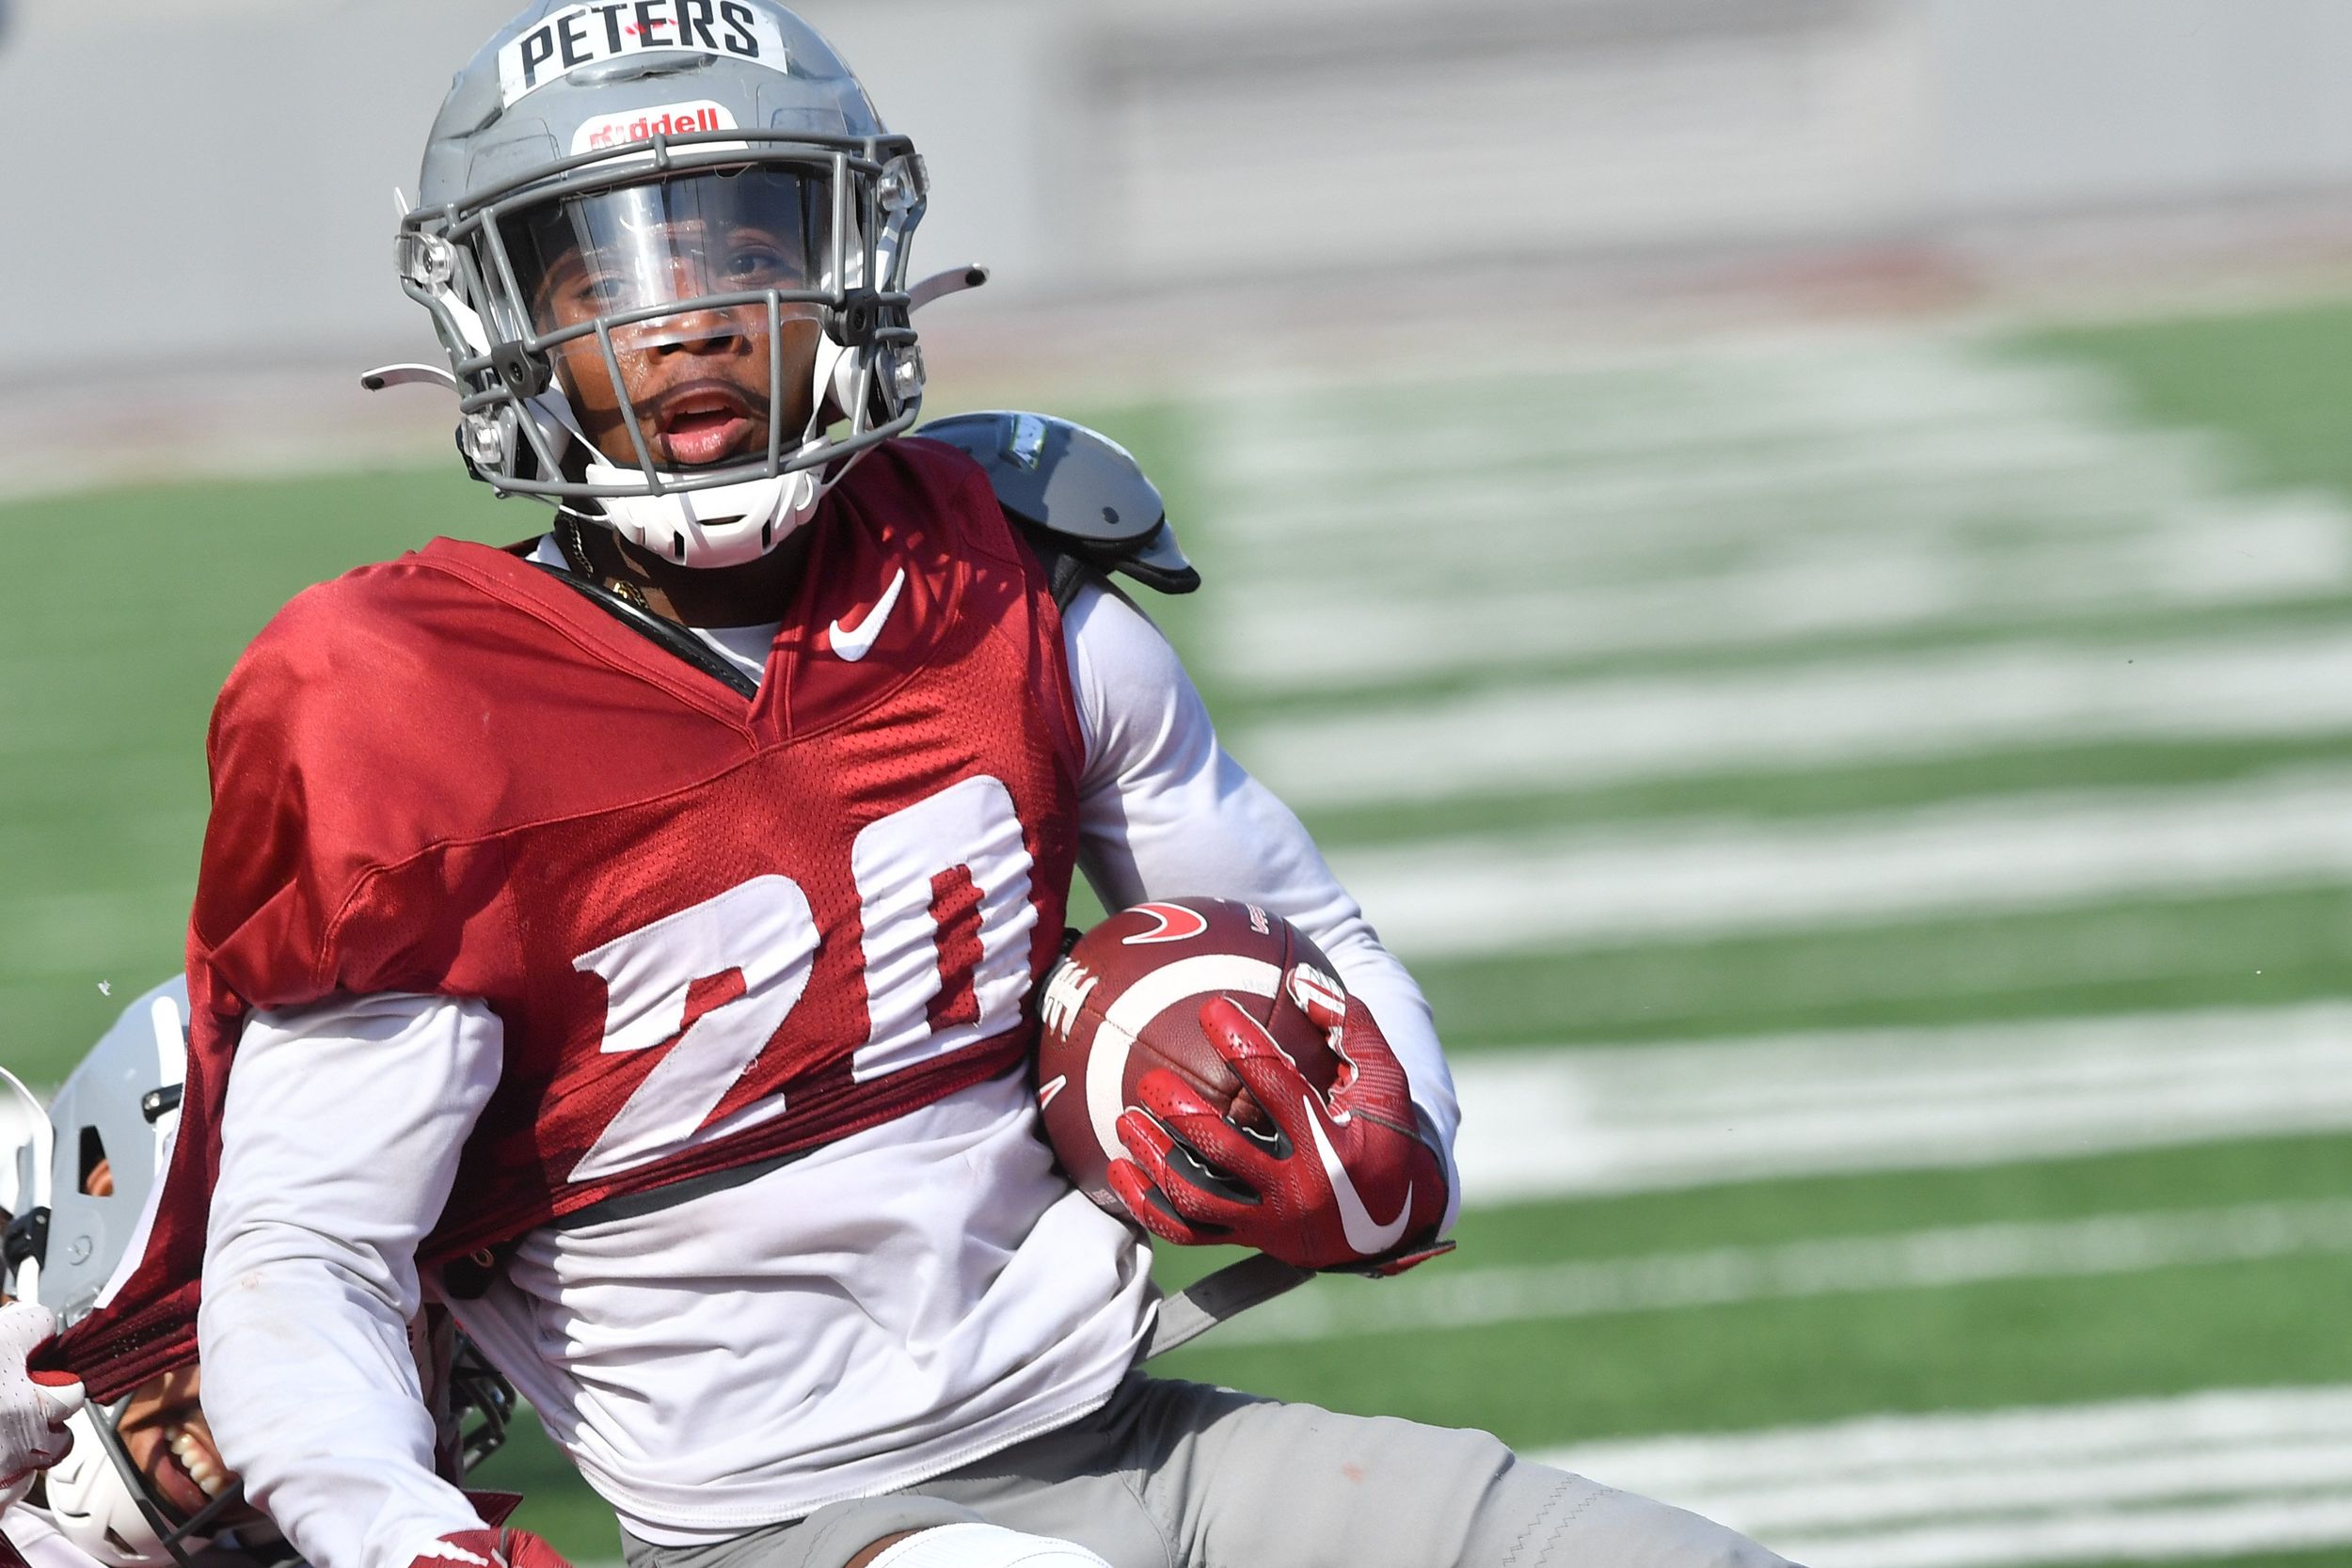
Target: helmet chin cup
x=727 y=525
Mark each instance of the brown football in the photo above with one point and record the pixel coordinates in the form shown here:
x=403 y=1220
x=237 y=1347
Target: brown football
x=1127 y=998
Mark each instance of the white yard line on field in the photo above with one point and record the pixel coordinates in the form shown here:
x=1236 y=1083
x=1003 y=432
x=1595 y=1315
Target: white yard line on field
x=1272 y=638
x=2212 y=1474
x=1938 y=1259
x=1560 y=1123
x=1676 y=497
x=1573 y=735
x=1305 y=432
x=1750 y=497
x=1625 y=885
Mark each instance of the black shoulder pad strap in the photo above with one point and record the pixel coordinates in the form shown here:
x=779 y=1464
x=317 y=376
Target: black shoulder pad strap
x=676 y=638
x=1064 y=571
x=1078 y=495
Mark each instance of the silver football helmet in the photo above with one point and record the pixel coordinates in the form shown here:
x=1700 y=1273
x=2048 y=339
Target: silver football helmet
x=611 y=187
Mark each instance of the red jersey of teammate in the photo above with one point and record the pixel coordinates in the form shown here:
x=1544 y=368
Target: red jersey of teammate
x=715 y=930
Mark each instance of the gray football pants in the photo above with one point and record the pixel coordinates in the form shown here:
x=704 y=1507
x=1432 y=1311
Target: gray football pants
x=1180 y=1474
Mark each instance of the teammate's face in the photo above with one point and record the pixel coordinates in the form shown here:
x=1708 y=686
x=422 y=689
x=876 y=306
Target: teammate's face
x=702 y=382
x=168 y=1441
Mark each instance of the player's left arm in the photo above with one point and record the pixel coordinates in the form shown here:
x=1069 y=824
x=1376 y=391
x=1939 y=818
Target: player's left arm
x=340 y=1133
x=1165 y=811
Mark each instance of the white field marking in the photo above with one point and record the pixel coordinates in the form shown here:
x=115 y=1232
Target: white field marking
x=2054 y=475
x=1570 y=1121
x=1736 y=497
x=1579 y=734
x=1940 y=1258
x=1948 y=521
x=1686 y=878
x=1760 y=391
x=1272 y=639
x=2212 y=1474
x=1807 y=408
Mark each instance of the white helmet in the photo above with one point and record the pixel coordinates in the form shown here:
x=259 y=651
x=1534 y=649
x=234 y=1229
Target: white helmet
x=706 y=175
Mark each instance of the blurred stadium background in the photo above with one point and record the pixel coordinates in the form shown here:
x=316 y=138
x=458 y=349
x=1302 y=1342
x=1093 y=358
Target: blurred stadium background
x=1796 y=552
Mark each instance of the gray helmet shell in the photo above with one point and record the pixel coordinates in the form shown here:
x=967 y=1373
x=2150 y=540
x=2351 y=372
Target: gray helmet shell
x=765 y=65
x=569 y=101
x=123 y=1104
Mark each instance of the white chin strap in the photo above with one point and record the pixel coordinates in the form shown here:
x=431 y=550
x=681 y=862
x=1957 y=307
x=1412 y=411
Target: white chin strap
x=724 y=524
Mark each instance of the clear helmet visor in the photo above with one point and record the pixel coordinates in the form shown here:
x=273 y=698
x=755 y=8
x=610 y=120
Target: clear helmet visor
x=680 y=240
x=682 y=314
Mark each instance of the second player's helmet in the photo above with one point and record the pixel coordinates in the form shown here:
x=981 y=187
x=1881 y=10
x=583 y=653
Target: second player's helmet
x=618 y=198
x=121 y=1107
x=68 y=1239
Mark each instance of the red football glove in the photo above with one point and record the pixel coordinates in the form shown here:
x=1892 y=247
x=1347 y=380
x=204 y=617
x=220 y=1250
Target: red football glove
x=1346 y=1182
x=489 y=1548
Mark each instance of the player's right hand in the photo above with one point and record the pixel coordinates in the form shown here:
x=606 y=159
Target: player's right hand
x=34 y=1406
x=1349 y=1182
x=489 y=1548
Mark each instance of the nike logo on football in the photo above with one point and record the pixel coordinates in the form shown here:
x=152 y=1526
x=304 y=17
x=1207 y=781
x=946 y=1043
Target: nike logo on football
x=1366 y=1235
x=854 y=642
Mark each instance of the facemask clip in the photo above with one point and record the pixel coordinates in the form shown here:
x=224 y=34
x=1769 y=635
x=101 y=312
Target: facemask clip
x=858 y=319
x=526 y=374
x=484 y=442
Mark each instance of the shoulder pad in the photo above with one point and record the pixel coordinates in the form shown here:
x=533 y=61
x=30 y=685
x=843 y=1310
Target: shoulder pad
x=1076 y=493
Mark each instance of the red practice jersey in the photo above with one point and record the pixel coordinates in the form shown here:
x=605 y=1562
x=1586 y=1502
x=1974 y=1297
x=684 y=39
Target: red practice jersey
x=715 y=930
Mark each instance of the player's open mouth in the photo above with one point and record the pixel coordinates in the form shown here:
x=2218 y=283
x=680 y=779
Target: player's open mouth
x=187 y=1468
x=701 y=424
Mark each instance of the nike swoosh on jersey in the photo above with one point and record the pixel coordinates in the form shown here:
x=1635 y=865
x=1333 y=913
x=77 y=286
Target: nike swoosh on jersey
x=1366 y=1235
x=854 y=642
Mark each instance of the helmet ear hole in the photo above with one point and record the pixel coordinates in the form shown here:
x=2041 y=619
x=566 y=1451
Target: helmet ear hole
x=93 y=1160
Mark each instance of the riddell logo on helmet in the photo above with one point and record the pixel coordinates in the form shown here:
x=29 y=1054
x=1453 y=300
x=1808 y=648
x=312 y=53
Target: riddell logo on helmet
x=670 y=119
x=578 y=35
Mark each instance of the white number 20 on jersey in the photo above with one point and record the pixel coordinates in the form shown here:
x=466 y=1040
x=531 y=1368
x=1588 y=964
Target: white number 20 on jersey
x=944 y=896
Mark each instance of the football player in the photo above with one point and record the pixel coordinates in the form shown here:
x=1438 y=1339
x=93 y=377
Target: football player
x=627 y=938
x=142 y=1484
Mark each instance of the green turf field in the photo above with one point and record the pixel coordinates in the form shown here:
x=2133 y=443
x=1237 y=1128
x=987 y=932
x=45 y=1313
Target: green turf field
x=1873 y=812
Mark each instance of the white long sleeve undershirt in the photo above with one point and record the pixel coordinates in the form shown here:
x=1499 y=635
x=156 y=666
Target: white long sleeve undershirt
x=339 y=1145
x=340 y=1139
